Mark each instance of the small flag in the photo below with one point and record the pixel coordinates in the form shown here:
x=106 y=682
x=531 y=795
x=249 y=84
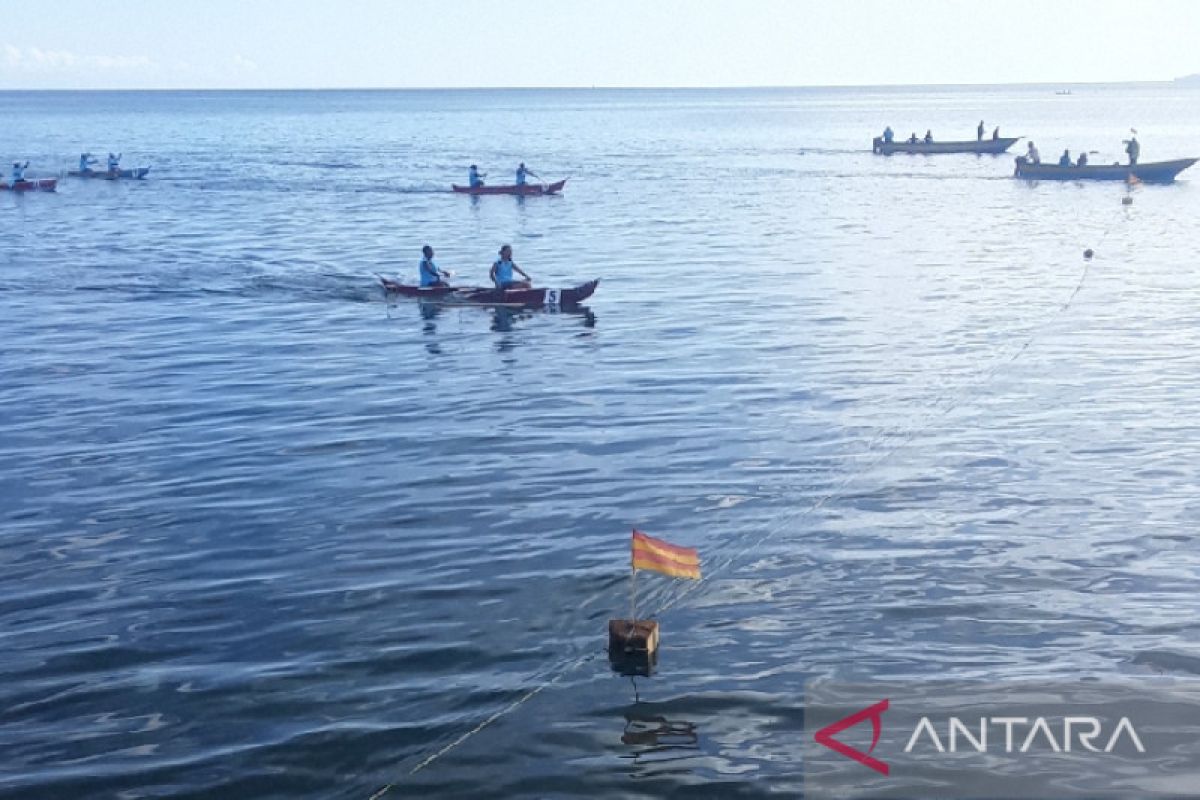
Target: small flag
x=669 y=559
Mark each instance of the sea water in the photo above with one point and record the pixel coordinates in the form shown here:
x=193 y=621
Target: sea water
x=267 y=533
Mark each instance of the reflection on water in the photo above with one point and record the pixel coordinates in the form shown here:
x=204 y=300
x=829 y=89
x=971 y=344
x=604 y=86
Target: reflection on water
x=503 y=318
x=655 y=738
x=430 y=311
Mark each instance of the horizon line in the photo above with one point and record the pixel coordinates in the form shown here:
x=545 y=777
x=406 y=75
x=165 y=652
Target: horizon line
x=607 y=87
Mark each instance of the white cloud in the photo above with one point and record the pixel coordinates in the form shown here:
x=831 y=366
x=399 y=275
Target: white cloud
x=122 y=62
x=244 y=64
x=37 y=60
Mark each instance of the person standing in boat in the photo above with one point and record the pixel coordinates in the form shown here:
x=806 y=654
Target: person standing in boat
x=979 y=132
x=1134 y=150
x=1082 y=160
x=114 y=162
x=502 y=272
x=18 y=172
x=1032 y=155
x=913 y=139
x=85 y=162
x=888 y=134
x=1065 y=159
x=995 y=133
x=929 y=137
x=522 y=172
x=475 y=177
x=430 y=274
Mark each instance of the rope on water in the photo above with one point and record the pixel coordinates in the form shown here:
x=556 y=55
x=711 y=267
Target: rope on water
x=955 y=399
x=556 y=673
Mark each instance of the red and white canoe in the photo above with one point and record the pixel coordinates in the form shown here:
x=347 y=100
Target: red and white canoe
x=30 y=185
x=526 y=189
x=481 y=296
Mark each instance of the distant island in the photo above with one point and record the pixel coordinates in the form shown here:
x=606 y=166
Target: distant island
x=1189 y=79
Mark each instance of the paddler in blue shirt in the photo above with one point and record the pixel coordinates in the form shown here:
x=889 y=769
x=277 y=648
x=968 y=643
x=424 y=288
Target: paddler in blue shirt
x=888 y=134
x=86 y=161
x=430 y=274
x=522 y=172
x=502 y=272
x=114 y=162
x=475 y=177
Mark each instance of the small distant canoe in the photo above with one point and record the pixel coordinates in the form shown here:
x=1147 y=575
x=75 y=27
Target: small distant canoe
x=931 y=148
x=137 y=173
x=30 y=185
x=1155 y=172
x=529 y=188
x=482 y=296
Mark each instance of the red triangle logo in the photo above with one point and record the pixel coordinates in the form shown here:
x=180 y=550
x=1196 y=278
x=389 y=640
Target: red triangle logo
x=873 y=713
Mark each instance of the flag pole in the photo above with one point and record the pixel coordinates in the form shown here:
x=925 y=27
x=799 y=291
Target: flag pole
x=632 y=595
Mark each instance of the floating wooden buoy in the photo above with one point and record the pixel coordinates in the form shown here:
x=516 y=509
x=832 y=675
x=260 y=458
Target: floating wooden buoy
x=633 y=642
x=627 y=637
x=633 y=647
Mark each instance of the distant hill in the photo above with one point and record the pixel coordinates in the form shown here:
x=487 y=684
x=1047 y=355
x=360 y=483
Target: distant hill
x=1189 y=79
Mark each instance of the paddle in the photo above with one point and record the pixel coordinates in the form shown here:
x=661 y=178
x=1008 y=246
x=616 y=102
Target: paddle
x=449 y=273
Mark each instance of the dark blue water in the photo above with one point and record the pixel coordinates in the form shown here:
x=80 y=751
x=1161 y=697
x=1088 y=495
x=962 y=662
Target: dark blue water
x=266 y=534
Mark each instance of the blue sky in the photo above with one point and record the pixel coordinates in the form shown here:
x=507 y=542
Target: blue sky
x=69 y=44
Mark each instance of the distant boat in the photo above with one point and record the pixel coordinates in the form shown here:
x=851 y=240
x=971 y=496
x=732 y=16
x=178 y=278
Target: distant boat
x=921 y=146
x=1156 y=172
x=30 y=184
x=524 y=189
x=1064 y=91
x=136 y=173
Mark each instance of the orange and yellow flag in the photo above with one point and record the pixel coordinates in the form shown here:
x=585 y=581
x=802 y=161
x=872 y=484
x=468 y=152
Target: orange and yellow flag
x=669 y=559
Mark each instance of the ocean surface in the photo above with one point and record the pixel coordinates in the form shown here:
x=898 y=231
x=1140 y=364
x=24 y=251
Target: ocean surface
x=266 y=534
